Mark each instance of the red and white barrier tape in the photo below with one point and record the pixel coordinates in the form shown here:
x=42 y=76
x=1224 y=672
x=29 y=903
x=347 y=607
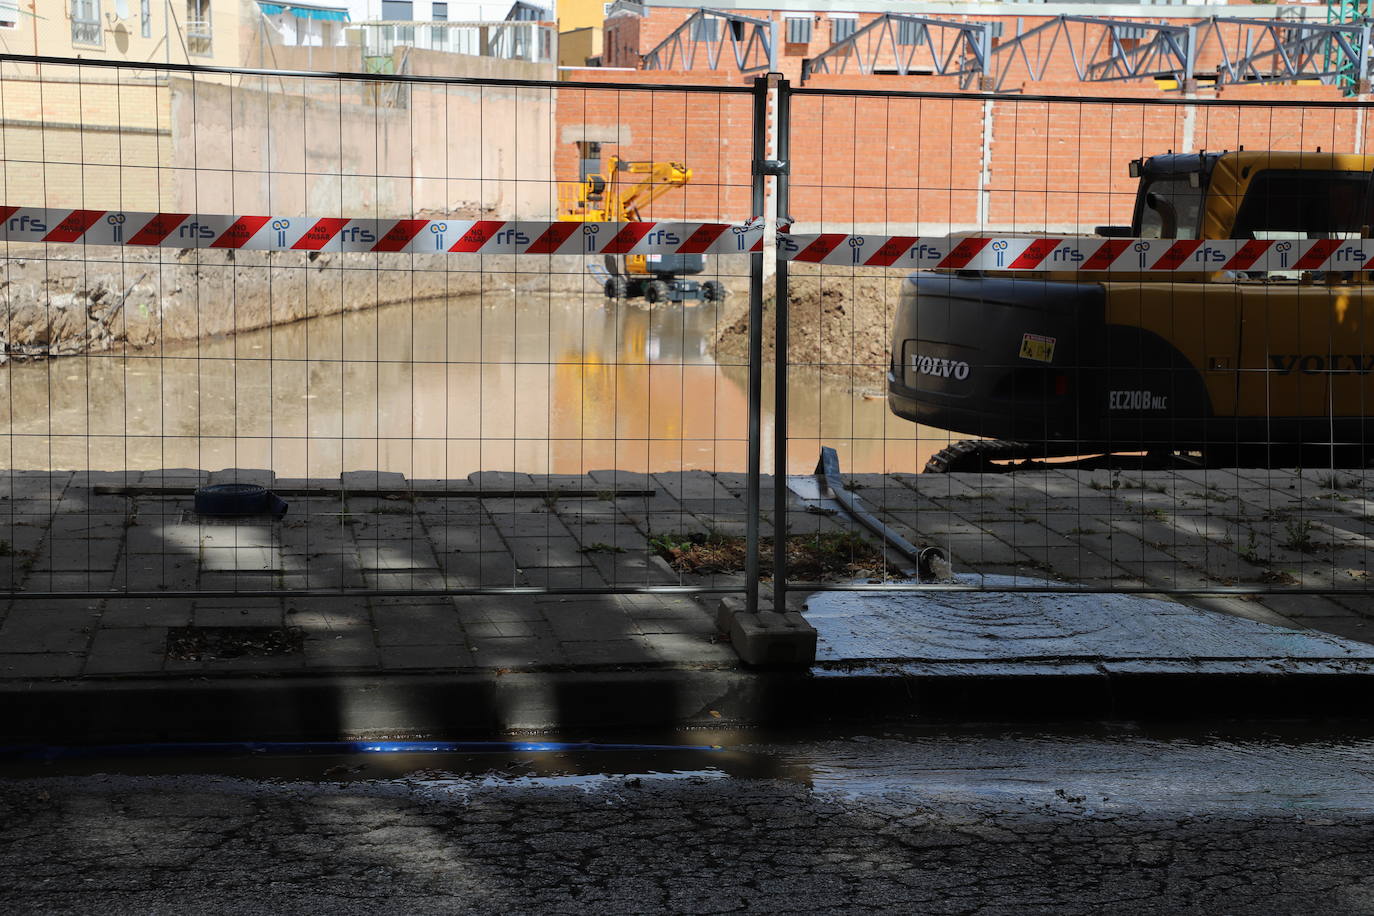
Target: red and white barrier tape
x=425 y=236
x=1079 y=253
x=418 y=236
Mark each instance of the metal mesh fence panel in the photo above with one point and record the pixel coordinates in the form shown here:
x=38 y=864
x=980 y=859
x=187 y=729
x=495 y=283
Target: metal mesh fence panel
x=1093 y=343
x=369 y=295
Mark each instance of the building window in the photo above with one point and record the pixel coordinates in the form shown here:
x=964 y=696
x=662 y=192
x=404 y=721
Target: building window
x=704 y=29
x=398 y=11
x=440 y=12
x=86 y=23
x=145 y=18
x=910 y=33
x=199 y=33
x=799 y=30
x=840 y=29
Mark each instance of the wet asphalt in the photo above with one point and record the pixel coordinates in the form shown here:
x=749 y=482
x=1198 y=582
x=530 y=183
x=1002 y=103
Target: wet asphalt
x=1097 y=820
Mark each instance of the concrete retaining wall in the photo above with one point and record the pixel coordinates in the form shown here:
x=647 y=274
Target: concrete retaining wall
x=283 y=146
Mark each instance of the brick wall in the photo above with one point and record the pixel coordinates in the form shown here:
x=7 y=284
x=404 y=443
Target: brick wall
x=942 y=164
x=65 y=143
x=710 y=133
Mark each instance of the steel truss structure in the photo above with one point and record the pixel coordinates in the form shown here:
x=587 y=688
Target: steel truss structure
x=752 y=43
x=1216 y=51
x=911 y=44
x=1101 y=50
x=1273 y=50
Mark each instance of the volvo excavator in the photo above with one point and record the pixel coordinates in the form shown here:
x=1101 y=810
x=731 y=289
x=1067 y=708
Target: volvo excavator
x=619 y=194
x=1215 y=368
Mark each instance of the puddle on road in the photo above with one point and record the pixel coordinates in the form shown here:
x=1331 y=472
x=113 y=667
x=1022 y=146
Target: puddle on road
x=1081 y=769
x=539 y=384
x=515 y=762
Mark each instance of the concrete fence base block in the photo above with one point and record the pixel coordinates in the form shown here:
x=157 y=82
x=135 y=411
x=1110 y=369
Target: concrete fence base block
x=729 y=606
x=770 y=638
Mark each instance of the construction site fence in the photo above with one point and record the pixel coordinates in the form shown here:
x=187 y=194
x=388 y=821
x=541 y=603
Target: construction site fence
x=395 y=304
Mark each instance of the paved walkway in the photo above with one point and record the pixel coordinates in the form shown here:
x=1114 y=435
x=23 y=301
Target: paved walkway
x=138 y=532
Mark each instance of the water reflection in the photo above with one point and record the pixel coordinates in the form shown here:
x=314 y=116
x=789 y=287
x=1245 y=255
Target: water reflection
x=538 y=383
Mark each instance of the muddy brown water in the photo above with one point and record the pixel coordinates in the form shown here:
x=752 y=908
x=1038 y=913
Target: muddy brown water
x=558 y=384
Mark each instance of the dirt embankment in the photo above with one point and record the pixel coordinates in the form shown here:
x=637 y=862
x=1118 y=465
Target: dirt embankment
x=840 y=320
x=56 y=305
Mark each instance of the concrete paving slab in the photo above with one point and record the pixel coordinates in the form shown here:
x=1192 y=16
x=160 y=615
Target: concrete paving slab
x=427 y=657
x=43 y=665
x=135 y=650
x=342 y=651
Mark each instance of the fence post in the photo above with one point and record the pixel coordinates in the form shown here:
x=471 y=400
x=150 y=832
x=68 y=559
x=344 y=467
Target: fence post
x=782 y=111
x=754 y=447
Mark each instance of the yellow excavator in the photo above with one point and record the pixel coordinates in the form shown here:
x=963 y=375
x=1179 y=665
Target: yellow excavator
x=618 y=194
x=1215 y=368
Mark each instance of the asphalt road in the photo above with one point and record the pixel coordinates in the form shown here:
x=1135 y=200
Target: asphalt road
x=1110 y=822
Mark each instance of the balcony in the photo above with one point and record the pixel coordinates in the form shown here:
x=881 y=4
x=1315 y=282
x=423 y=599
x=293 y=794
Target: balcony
x=535 y=42
x=199 y=37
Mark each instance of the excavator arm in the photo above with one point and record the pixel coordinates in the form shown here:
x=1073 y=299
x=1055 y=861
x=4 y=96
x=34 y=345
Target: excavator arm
x=621 y=193
x=635 y=185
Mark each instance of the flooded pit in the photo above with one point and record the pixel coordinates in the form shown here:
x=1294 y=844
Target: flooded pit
x=537 y=383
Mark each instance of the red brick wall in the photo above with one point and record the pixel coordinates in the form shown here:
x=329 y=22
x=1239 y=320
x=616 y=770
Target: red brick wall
x=1056 y=166
x=710 y=133
x=884 y=160
x=622 y=42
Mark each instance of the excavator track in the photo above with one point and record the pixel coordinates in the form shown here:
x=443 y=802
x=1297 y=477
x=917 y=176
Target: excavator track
x=972 y=456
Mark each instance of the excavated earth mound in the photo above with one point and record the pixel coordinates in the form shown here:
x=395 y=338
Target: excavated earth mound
x=840 y=322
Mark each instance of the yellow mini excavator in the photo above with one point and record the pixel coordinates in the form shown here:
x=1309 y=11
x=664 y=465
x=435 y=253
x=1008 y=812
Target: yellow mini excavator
x=618 y=194
x=1249 y=368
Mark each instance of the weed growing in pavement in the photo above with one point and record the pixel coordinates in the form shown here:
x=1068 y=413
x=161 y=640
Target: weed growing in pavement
x=1300 y=535
x=1278 y=577
x=600 y=547
x=605 y=495
x=827 y=555
x=1250 y=552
